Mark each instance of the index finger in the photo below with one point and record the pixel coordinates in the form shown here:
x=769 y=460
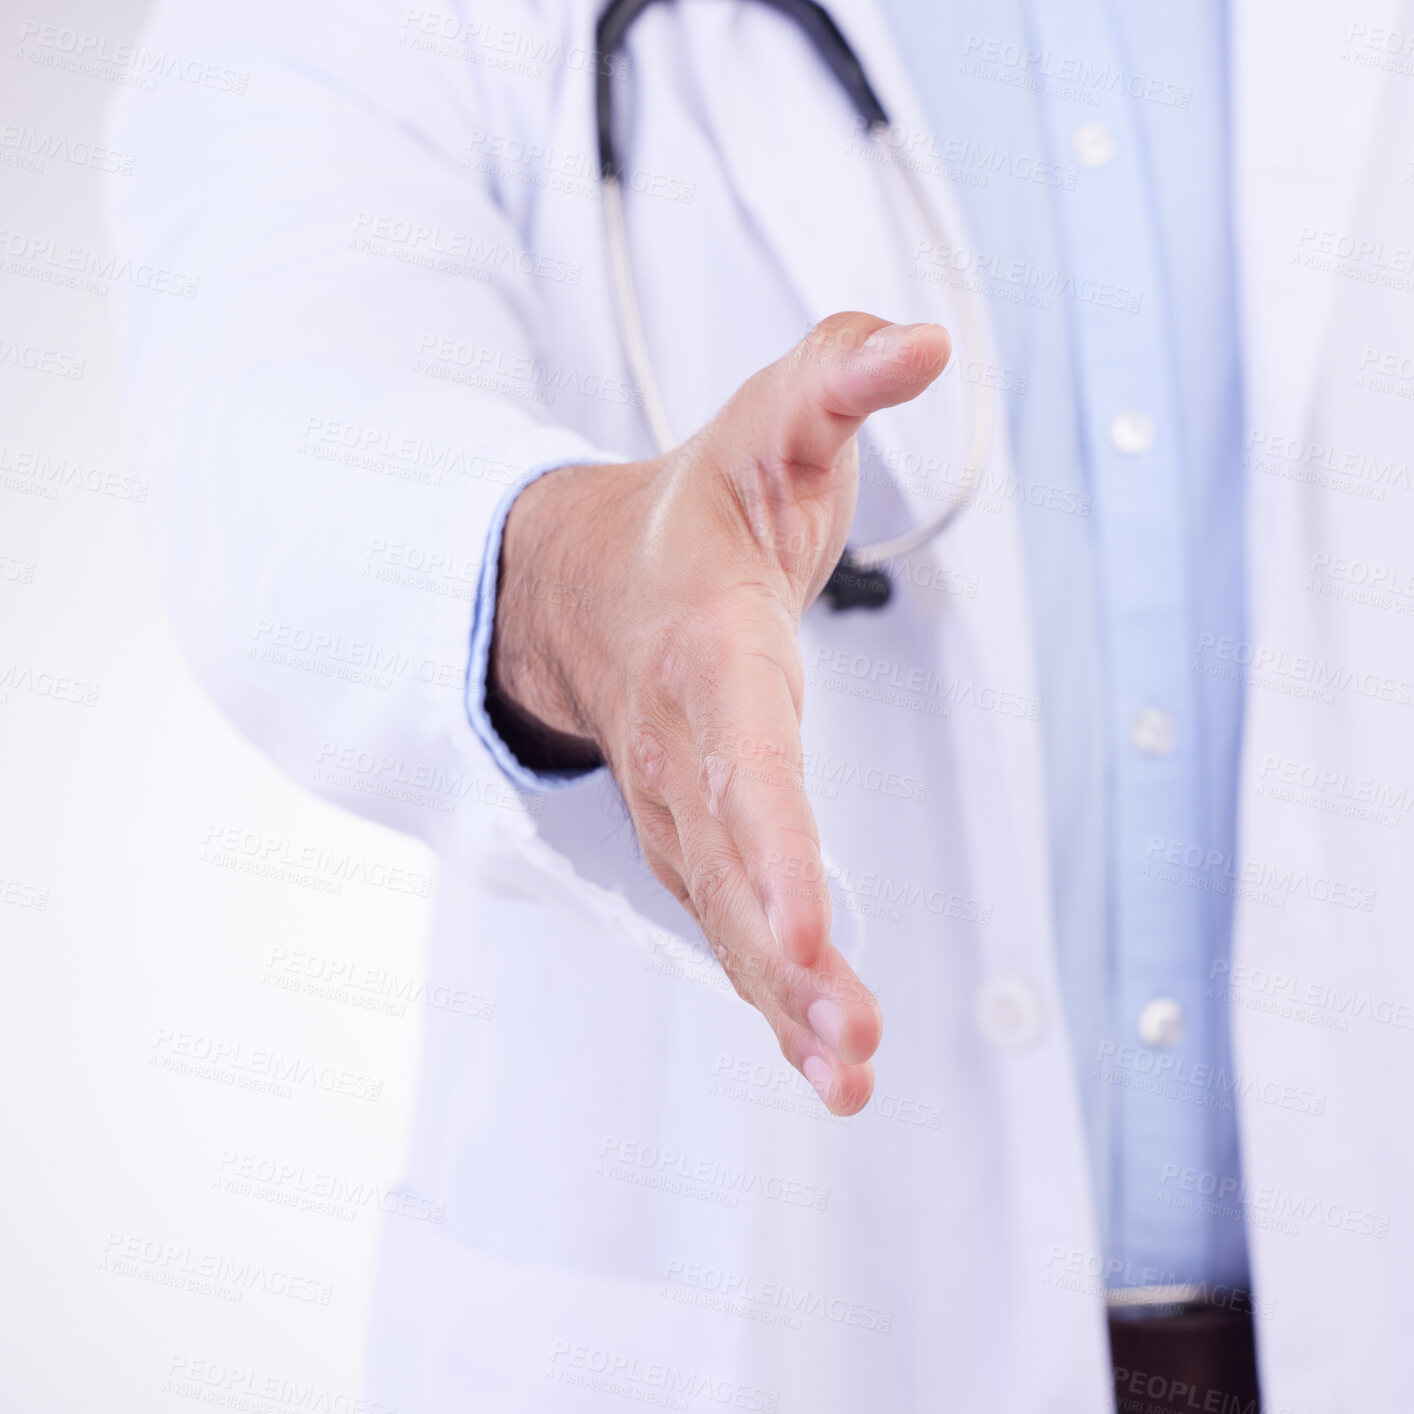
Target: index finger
x=747 y=727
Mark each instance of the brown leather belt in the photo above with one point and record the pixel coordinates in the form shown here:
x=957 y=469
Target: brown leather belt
x=1200 y=1359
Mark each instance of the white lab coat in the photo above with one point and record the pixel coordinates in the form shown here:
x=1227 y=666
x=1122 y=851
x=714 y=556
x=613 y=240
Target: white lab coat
x=644 y=1197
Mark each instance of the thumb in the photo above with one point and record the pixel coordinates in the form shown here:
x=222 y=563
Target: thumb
x=803 y=409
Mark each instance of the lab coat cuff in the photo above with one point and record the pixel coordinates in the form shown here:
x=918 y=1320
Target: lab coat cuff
x=484 y=620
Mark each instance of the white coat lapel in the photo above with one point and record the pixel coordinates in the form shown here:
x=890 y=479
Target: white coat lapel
x=841 y=224
x=1304 y=106
x=844 y=230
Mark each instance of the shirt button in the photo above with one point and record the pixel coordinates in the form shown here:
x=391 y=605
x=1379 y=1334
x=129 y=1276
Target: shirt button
x=1161 y=1023
x=1154 y=732
x=1094 y=144
x=1132 y=432
x=1009 y=1012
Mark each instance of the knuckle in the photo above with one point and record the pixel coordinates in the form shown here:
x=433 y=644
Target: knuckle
x=716 y=778
x=647 y=756
x=710 y=884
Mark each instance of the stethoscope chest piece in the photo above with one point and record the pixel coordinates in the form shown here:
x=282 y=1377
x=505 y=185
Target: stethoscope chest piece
x=851 y=586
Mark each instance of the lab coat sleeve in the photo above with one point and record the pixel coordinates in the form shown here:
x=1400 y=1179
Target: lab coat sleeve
x=320 y=498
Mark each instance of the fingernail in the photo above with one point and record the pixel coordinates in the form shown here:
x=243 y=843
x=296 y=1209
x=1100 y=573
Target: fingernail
x=817 y=1072
x=889 y=341
x=827 y=1022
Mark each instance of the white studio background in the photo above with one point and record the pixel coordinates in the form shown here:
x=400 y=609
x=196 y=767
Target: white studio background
x=173 y=1231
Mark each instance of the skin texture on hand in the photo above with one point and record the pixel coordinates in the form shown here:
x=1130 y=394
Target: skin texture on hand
x=685 y=675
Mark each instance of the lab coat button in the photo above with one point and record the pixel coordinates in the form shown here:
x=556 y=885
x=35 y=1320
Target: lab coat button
x=1132 y=432
x=1094 y=144
x=1154 y=732
x=1009 y=1012
x=1161 y=1023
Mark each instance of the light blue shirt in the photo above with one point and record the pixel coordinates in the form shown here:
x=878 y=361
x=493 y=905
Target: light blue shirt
x=1090 y=138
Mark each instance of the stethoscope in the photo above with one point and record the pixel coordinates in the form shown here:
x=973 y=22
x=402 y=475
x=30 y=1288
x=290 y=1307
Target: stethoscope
x=859 y=580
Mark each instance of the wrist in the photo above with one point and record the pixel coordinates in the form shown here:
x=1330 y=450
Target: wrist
x=565 y=553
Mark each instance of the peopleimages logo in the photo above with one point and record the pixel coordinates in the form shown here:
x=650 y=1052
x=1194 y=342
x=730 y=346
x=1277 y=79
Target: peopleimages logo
x=121 y=61
x=796 y=1302
x=1363 y=474
x=546 y=380
x=1266 y=1198
x=232 y=843
x=1246 y=982
x=1287 y=880
x=35 y=148
x=253 y=1175
x=652 y=1381
x=177 y=1264
x=882 y=889
x=238 y=1387
x=1043 y=284
x=619 y=1158
x=1335 y=792
x=1211 y=1086
x=82 y=267
x=460 y=247
x=1295 y=674
x=1072 y=76
x=837 y=669
x=48 y=473
x=326 y=654
x=255 y=1068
